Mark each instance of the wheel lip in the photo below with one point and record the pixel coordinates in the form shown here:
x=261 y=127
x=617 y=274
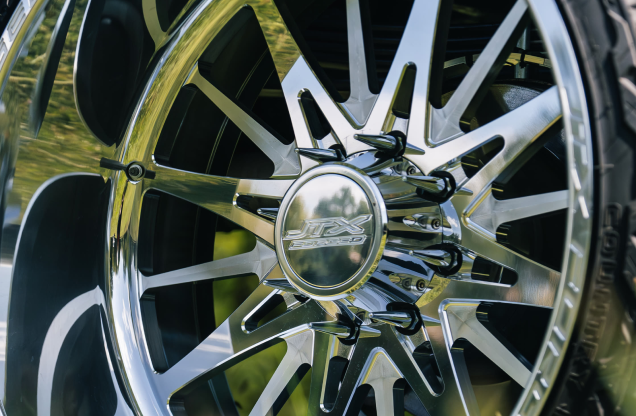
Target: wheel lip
x=580 y=215
x=380 y=226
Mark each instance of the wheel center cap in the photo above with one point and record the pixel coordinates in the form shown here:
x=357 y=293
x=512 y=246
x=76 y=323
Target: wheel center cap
x=330 y=231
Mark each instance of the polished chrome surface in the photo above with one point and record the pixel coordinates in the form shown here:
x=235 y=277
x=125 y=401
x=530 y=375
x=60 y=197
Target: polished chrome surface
x=382 y=142
x=491 y=213
x=259 y=261
x=367 y=332
x=269 y=213
x=284 y=157
x=331 y=214
x=430 y=184
x=461 y=320
x=281 y=284
x=401 y=319
x=321 y=155
x=469 y=220
x=331 y=328
x=440 y=258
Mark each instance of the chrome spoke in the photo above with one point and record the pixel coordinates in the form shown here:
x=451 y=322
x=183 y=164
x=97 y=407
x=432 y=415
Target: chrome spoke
x=217 y=193
x=491 y=212
x=381 y=374
x=229 y=343
x=361 y=99
x=463 y=323
x=458 y=397
x=258 y=261
x=299 y=353
x=536 y=285
x=300 y=78
x=519 y=128
x=284 y=156
x=281 y=43
x=446 y=121
x=416 y=48
x=542 y=112
x=325 y=348
x=151 y=18
x=352 y=377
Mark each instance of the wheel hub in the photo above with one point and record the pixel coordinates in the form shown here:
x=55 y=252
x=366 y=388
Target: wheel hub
x=334 y=214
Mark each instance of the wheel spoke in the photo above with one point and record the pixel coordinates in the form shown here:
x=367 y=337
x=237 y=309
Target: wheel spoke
x=352 y=377
x=300 y=78
x=536 y=284
x=491 y=213
x=285 y=160
x=537 y=277
x=324 y=349
x=415 y=47
x=458 y=397
x=258 y=261
x=361 y=99
x=229 y=343
x=281 y=43
x=151 y=18
x=463 y=323
x=446 y=121
x=217 y=193
x=381 y=374
x=299 y=354
x=519 y=128
x=296 y=76
x=542 y=112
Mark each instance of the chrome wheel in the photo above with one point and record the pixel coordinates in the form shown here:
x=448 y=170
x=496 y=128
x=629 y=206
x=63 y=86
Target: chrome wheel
x=379 y=246
x=387 y=230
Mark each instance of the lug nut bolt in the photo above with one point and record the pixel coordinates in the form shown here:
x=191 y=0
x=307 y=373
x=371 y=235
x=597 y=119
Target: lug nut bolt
x=420 y=285
x=411 y=170
x=135 y=171
x=436 y=224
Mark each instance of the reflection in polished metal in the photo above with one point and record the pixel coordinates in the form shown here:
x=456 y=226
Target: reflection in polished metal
x=347 y=190
x=331 y=328
x=440 y=258
x=382 y=142
x=401 y=319
x=435 y=257
x=321 y=155
x=462 y=320
x=284 y=158
x=367 y=332
x=52 y=346
x=259 y=261
x=331 y=214
x=430 y=184
x=446 y=120
x=270 y=213
x=280 y=284
x=381 y=373
x=491 y=213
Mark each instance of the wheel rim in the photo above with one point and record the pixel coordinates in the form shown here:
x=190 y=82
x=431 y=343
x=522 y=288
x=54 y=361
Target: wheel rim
x=381 y=354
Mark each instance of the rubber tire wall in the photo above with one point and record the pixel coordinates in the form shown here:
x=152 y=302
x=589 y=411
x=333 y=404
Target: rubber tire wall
x=597 y=377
